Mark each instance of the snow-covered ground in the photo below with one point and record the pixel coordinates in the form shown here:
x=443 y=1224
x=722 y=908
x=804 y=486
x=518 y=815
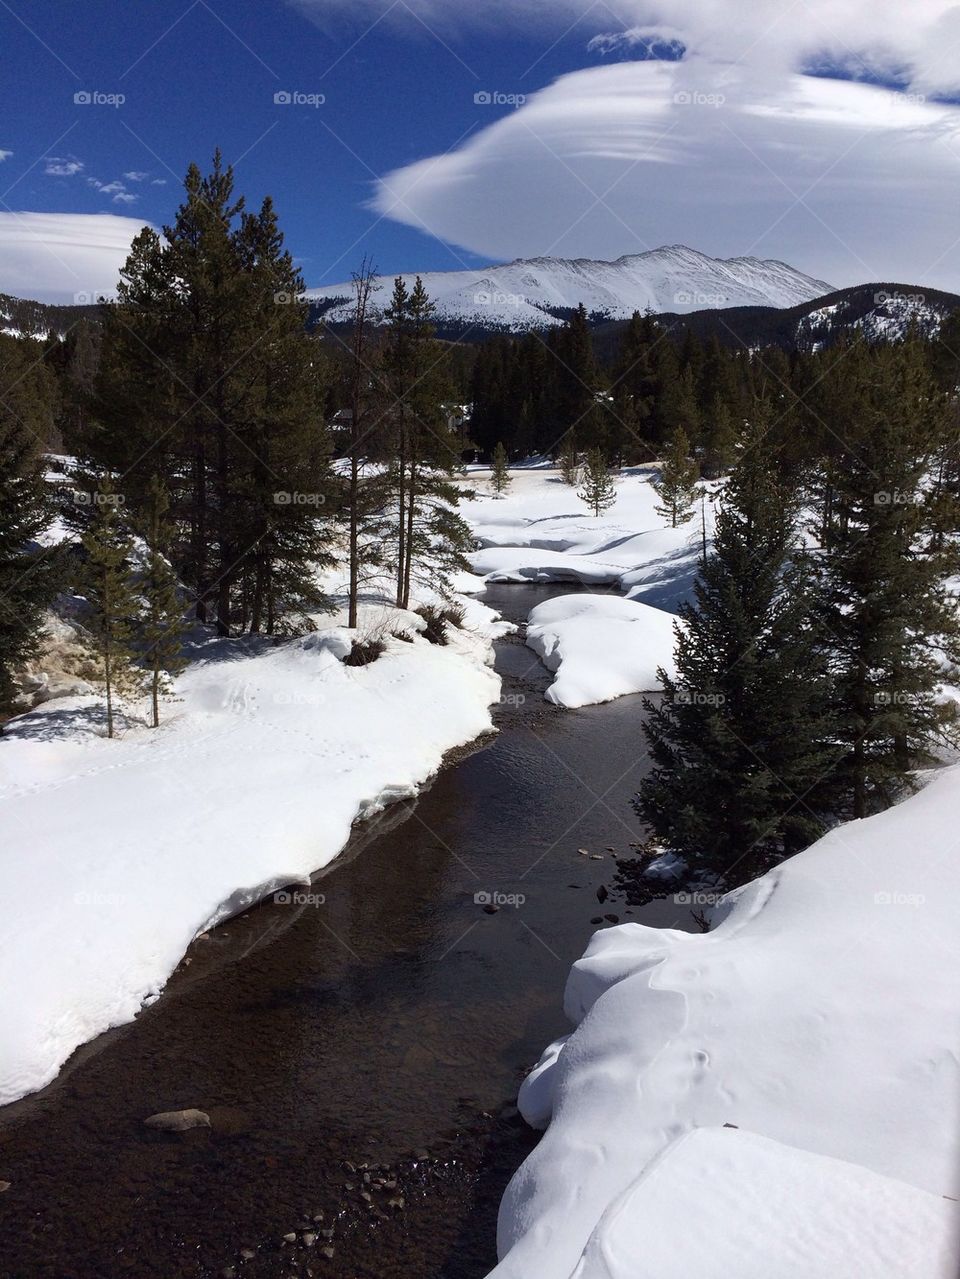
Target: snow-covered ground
x=601 y=644
x=820 y=1018
x=116 y=854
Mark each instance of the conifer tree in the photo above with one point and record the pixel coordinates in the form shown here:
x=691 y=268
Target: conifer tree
x=741 y=739
x=677 y=484
x=884 y=575
x=720 y=441
x=598 y=489
x=500 y=478
x=109 y=590
x=162 y=630
x=568 y=459
x=28 y=576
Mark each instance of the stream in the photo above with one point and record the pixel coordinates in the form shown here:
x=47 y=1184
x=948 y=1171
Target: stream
x=358 y=1049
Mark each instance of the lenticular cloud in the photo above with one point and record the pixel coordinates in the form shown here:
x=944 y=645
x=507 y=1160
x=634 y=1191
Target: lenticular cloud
x=823 y=173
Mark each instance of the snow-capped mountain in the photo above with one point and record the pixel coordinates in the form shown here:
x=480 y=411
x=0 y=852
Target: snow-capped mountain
x=538 y=292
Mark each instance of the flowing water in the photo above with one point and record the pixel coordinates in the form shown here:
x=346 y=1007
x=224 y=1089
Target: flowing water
x=372 y=1032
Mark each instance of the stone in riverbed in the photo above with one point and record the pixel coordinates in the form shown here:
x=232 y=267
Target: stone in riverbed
x=5 y=1185
x=178 y=1120
x=309 y=1239
x=329 y=1253
x=290 y=1237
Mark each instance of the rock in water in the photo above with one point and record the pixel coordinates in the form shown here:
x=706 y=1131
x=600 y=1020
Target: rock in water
x=178 y=1120
x=602 y=894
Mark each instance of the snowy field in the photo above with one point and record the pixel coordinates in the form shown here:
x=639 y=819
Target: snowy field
x=600 y=645
x=266 y=758
x=822 y=1015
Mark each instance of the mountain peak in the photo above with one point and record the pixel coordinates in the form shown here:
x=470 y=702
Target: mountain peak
x=536 y=293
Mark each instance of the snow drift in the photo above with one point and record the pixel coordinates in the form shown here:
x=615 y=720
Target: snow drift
x=820 y=1014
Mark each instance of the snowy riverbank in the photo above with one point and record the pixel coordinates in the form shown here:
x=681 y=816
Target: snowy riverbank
x=600 y=645
x=116 y=854
x=780 y=1095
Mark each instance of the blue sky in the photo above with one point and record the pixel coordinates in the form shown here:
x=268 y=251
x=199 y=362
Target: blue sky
x=735 y=148
x=391 y=98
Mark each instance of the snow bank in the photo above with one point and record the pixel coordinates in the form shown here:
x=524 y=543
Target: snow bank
x=822 y=1013
x=724 y=1202
x=117 y=853
x=601 y=646
x=540 y=531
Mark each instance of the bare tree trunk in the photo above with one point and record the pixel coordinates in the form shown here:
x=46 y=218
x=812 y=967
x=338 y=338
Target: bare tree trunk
x=364 y=283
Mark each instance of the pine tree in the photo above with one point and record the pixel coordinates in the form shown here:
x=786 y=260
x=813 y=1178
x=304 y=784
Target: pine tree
x=109 y=590
x=28 y=573
x=884 y=575
x=162 y=630
x=720 y=441
x=677 y=485
x=500 y=478
x=568 y=459
x=741 y=739
x=598 y=489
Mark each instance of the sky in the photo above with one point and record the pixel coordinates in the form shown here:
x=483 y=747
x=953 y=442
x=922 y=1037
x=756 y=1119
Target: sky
x=446 y=134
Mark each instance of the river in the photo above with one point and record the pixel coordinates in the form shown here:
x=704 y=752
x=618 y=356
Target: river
x=358 y=1050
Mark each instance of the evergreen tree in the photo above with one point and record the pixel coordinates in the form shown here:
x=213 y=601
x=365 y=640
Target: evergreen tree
x=677 y=485
x=884 y=573
x=598 y=489
x=741 y=738
x=28 y=573
x=568 y=459
x=720 y=441
x=500 y=475
x=162 y=630
x=109 y=590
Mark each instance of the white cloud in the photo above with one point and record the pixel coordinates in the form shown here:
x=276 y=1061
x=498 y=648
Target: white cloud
x=62 y=168
x=846 y=181
x=5 y=155
x=136 y=175
x=771 y=37
x=125 y=197
x=55 y=256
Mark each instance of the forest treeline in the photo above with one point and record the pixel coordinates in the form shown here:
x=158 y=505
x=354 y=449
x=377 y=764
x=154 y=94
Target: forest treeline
x=223 y=456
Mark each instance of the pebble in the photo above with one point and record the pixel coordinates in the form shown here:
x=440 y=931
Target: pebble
x=328 y=1233
x=178 y=1120
x=318 y=1216
x=397 y=1202
x=5 y=1185
x=584 y=852
x=247 y=1254
x=228 y=1272
x=366 y=1196
x=602 y=893
x=597 y=919
x=309 y=1239
x=290 y=1237
x=596 y=857
x=329 y=1252
x=490 y=908
x=614 y=919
